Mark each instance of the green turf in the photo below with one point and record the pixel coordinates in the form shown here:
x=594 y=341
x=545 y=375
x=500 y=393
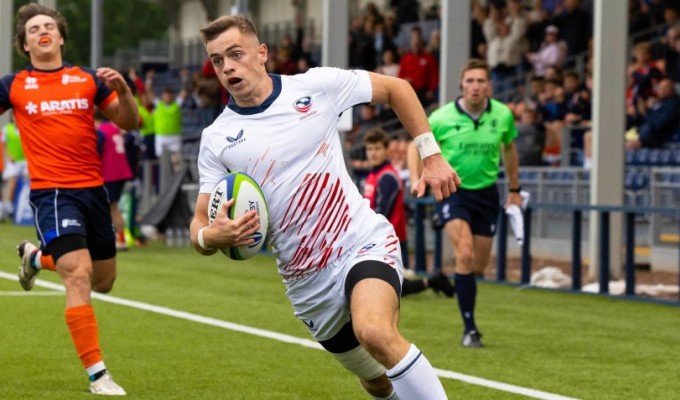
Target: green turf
x=580 y=346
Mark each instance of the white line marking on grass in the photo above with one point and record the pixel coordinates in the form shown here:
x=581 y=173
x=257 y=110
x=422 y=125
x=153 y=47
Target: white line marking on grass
x=19 y=293
x=473 y=380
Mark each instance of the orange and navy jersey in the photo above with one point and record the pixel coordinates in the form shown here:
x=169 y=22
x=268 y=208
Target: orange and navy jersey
x=54 y=110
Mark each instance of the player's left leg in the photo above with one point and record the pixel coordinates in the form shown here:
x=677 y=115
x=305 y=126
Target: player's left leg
x=373 y=289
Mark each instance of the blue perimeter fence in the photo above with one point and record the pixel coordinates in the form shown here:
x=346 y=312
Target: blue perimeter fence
x=604 y=212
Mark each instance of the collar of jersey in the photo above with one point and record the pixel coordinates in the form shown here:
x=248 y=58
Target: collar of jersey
x=276 y=81
x=462 y=111
x=63 y=65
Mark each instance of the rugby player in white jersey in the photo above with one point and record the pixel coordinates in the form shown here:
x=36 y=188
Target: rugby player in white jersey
x=339 y=260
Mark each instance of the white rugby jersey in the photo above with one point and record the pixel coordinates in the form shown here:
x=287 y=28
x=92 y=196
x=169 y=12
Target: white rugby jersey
x=291 y=147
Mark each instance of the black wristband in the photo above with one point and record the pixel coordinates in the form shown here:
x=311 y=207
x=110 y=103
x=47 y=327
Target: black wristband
x=516 y=190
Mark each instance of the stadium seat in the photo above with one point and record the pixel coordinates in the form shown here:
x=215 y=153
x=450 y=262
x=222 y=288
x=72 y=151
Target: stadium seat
x=641 y=156
x=630 y=157
x=654 y=156
x=664 y=157
x=675 y=158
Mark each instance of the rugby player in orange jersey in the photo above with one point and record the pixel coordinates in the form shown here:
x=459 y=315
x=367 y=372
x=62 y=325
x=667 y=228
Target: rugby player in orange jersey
x=54 y=105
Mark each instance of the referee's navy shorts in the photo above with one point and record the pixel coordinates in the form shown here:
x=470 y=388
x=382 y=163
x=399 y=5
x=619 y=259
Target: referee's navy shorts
x=80 y=212
x=479 y=208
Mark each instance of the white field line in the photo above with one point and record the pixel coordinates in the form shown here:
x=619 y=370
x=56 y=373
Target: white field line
x=22 y=293
x=532 y=393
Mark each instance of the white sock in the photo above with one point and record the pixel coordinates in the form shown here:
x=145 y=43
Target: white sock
x=587 y=163
x=414 y=378
x=37 y=260
x=95 y=368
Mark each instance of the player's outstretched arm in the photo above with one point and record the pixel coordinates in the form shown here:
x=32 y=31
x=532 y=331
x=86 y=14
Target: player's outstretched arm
x=437 y=173
x=224 y=232
x=122 y=111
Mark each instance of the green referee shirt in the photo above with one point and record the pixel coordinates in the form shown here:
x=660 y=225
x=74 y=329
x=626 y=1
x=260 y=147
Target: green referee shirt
x=473 y=147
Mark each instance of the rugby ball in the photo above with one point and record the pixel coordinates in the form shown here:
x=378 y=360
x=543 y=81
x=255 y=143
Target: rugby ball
x=249 y=196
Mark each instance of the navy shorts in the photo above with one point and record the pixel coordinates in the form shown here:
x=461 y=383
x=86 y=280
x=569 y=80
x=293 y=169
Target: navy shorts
x=81 y=212
x=114 y=189
x=479 y=208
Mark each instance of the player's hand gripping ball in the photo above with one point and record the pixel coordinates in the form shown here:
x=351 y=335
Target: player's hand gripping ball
x=248 y=196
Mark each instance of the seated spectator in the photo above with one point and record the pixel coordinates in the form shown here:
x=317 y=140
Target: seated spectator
x=659 y=119
x=672 y=55
x=552 y=51
x=578 y=99
x=389 y=65
x=530 y=140
x=644 y=72
x=552 y=108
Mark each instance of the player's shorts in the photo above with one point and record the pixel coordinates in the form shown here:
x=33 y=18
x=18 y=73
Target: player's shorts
x=319 y=299
x=479 y=208
x=114 y=189
x=82 y=213
x=15 y=169
x=170 y=143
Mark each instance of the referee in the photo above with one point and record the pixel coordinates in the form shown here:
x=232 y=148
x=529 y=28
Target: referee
x=473 y=132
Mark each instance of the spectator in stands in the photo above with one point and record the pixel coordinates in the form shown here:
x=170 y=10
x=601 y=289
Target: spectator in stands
x=474 y=132
x=389 y=65
x=405 y=11
x=420 y=69
x=434 y=44
x=530 y=140
x=115 y=170
x=659 y=118
x=644 y=72
x=552 y=51
x=575 y=27
x=138 y=81
x=538 y=19
x=552 y=107
x=504 y=35
x=554 y=72
x=383 y=42
x=362 y=53
x=384 y=190
x=478 y=45
x=167 y=121
x=578 y=99
x=672 y=55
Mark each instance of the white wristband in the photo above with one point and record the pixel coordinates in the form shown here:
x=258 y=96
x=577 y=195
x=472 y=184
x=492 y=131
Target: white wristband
x=201 y=241
x=426 y=144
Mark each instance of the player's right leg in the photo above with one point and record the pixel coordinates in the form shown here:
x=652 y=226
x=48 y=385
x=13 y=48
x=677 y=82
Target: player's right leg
x=373 y=288
x=64 y=222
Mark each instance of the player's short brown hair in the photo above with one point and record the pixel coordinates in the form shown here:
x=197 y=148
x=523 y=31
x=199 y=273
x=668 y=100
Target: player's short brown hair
x=29 y=11
x=226 y=22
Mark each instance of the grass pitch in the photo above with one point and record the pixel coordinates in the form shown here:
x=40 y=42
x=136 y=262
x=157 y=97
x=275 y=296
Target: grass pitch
x=557 y=344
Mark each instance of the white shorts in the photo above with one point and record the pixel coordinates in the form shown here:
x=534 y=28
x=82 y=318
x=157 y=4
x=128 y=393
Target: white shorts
x=319 y=299
x=15 y=170
x=171 y=143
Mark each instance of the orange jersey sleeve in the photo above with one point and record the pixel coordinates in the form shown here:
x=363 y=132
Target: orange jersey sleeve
x=54 y=110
